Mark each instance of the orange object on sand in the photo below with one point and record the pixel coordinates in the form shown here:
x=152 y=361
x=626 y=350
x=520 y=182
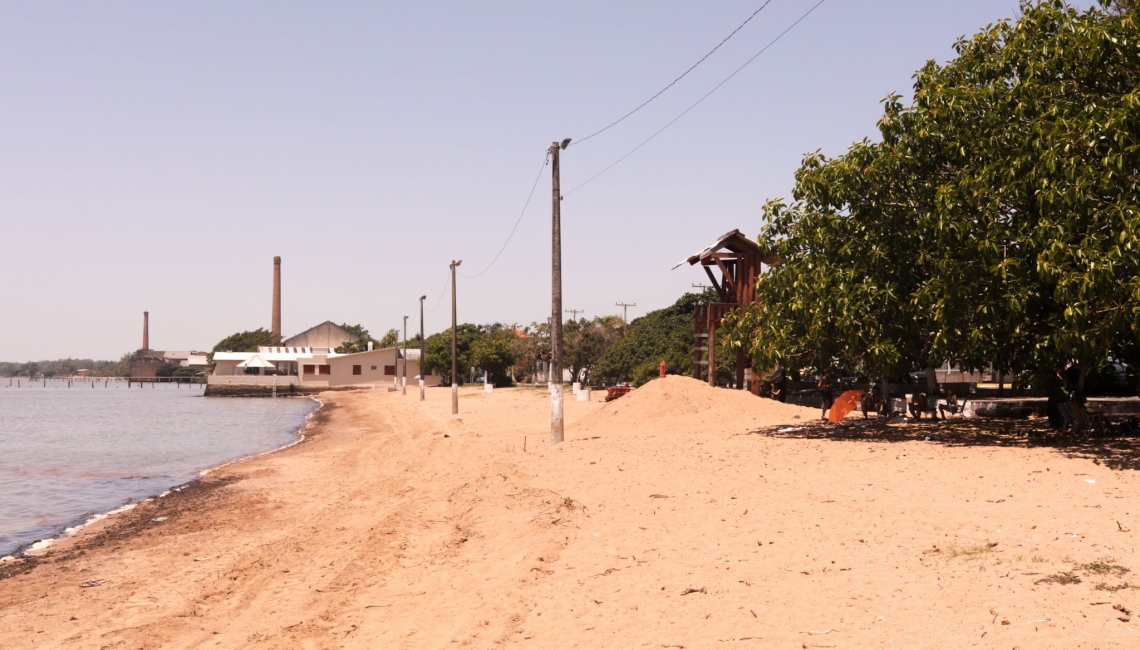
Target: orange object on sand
x=844 y=405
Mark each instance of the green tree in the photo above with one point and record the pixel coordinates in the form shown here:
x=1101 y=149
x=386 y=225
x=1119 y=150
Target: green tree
x=664 y=334
x=585 y=341
x=364 y=338
x=390 y=339
x=245 y=342
x=493 y=352
x=437 y=351
x=996 y=221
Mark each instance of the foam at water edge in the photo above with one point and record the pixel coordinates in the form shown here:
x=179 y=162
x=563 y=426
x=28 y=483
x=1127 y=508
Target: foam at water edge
x=70 y=532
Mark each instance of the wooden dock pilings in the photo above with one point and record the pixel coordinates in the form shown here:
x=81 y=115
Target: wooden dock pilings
x=108 y=382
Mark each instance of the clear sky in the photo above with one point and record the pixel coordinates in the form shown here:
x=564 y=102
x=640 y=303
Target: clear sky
x=156 y=156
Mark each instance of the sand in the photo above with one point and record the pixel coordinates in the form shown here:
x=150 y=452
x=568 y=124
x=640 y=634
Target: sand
x=678 y=516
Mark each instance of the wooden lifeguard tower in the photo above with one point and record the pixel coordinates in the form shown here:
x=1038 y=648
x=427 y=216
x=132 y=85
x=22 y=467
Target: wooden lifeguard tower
x=738 y=260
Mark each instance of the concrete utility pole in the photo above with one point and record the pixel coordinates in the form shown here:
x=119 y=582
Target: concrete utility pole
x=556 y=428
x=454 y=361
x=404 y=382
x=420 y=365
x=625 y=310
x=574 y=313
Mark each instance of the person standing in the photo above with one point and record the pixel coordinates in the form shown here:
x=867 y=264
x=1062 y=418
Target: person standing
x=779 y=384
x=826 y=388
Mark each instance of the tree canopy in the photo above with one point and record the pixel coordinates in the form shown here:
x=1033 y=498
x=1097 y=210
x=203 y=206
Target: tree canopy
x=995 y=221
x=247 y=341
x=437 y=351
x=390 y=338
x=494 y=353
x=661 y=335
x=585 y=341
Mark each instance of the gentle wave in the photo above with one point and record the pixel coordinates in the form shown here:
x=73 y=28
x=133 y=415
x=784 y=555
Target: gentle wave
x=71 y=453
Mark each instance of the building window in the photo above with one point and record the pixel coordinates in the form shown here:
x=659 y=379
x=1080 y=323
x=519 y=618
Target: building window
x=324 y=369
x=309 y=369
x=390 y=370
x=356 y=370
x=373 y=367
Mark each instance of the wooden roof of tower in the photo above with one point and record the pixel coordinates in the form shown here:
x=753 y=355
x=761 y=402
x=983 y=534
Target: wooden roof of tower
x=738 y=258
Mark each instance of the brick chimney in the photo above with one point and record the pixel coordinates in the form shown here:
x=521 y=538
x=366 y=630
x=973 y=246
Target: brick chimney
x=146 y=330
x=276 y=325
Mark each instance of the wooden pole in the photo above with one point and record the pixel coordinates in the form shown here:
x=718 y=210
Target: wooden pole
x=557 y=431
x=454 y=346
x=404 y=381
x=712 y=345
x=421 y=363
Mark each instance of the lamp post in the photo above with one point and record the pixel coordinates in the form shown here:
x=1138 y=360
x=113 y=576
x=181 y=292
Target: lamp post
x=454 y=361
x=556 y=428
x=420 y=365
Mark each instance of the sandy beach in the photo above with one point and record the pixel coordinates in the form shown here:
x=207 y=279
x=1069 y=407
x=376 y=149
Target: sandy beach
x=679 y=516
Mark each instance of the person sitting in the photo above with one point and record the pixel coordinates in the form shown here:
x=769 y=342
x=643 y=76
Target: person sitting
x=918 y=405
x=951 y=404
x=872 y=400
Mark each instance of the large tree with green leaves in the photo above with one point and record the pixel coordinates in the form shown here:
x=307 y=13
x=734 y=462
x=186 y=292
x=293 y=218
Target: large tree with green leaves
x=494 y=353
x=995 y=221
x=437 y=351
x=585 y=341
x=661 y=335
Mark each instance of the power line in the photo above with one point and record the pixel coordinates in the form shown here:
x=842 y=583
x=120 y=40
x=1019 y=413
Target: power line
x=619 y=120
x=442 y=291
x=517 y=221
x=703 y=98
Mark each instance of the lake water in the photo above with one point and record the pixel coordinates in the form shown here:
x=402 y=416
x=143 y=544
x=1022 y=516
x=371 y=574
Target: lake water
x=68 y=453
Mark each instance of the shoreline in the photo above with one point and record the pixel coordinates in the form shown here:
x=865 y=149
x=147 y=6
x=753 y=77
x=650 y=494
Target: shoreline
x=35 y=549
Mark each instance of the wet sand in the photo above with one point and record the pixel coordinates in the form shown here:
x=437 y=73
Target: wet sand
x=678 y=516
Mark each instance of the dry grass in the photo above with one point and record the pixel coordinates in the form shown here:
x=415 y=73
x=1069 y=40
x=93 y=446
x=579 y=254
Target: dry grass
x=1066 y=578
x=1103 y=568
x=951 y=552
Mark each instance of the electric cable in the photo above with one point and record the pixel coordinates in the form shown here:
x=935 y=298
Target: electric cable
x=442 y=291
x=517 y=221
x=710 y=53
x=703 y=98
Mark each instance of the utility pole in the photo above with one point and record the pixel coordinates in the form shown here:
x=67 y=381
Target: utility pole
x=404 y=383
x=420 y=365
x=454 y=361
x=625 y=310
x=574 y=313
x=556 y=428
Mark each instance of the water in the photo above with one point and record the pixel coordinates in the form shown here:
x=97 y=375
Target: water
x=68 y=453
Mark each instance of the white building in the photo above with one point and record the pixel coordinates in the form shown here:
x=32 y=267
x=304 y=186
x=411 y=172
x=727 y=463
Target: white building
x=313 y=364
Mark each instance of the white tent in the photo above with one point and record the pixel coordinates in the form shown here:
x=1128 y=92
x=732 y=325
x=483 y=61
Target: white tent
x=255 y=362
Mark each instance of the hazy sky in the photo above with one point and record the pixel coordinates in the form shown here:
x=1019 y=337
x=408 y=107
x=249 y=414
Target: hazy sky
x=156 y=156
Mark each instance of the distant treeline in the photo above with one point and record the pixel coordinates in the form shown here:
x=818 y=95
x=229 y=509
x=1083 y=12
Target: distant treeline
x=67 y=368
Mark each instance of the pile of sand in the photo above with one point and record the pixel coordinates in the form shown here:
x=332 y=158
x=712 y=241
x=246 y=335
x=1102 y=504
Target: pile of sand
x=689 y=403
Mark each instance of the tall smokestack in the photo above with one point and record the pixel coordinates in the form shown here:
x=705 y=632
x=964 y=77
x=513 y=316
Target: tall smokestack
x=277 y=297
x=146 y=330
